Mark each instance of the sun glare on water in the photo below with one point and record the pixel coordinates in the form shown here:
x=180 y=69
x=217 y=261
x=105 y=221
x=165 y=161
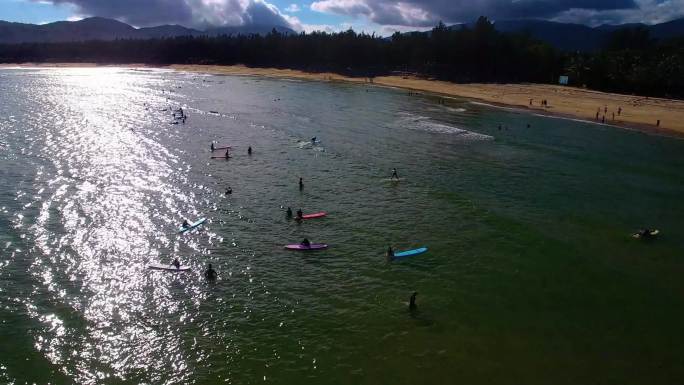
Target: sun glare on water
x=103 y=186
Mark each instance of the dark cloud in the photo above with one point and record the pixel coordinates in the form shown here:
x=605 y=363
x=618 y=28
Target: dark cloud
x=198 y=13
x=427 y=12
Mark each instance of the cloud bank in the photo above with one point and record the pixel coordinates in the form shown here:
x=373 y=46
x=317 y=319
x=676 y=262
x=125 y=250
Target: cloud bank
x=195 y=13
x=396 y=15
x=423 y=13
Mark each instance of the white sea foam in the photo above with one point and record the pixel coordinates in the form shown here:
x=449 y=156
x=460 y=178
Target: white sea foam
x=423 y=123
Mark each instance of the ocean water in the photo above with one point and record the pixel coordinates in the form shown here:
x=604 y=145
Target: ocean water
x=531 y=276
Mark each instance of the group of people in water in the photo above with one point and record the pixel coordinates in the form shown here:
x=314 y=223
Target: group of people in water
x=227 y=155
x=211 y=274
x=300 y=213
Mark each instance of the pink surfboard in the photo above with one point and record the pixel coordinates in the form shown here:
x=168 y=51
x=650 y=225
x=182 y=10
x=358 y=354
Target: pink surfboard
x=314 y=215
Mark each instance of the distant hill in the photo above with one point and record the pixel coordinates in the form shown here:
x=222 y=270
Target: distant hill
x=575 y=37
x=165 y=31
x=674 y=28
x=98 y=28
x=256 y=29
x=578 y=37
x=565 y=36
x=560 y=35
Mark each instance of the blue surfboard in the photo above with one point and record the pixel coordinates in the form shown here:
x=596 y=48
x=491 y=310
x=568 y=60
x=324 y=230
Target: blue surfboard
x=192 y=225
x=409 y=253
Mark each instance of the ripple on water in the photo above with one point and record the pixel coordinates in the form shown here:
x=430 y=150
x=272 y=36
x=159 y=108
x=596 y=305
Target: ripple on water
x=95 y=183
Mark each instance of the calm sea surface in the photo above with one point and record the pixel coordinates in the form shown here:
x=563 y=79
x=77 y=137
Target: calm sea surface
x=531 y=275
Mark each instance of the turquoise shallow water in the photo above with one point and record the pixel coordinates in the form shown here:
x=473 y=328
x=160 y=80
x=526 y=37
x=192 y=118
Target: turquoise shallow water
x=531 y=276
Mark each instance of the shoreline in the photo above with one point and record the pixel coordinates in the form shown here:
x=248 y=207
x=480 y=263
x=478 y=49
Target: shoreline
x=636 y=112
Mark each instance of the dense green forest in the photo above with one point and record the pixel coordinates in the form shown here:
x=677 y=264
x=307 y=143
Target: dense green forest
x=631 y=62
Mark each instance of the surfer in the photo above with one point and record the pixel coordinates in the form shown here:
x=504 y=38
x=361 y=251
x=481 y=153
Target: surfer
x=212 y=146
x=229 y=191
x=306 y=243
x=412 y=301
x=300 y=214
x=646 y=233
x=313 y=140
x=249 y=150
x=289 y=212
x=210 y=274
x=301 y=183
x=176 y=263
x=390 y=254
x=185 y=224
x=394 y=174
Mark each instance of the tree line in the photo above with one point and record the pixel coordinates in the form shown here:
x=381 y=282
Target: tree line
x=631 y=62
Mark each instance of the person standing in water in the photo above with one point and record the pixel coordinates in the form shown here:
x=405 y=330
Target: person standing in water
x=210 y=274
x=227 y=154
x=249 y=150
x=289 y=212
x=412 y=301
x=300 y=214
x=176 y=263
x=394 y=174
x=301 y=183
x=390 y=254
x=212 y=146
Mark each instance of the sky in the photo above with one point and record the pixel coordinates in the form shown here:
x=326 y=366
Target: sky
x=382 y=17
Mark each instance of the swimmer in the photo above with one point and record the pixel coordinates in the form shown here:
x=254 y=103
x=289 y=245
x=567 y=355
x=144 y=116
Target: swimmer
x=390 y=254
x=210 y=274
x=412 y=301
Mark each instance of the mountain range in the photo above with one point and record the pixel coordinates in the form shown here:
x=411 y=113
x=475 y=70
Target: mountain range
x=564 y=36
x=579 y=37
x=98 y=28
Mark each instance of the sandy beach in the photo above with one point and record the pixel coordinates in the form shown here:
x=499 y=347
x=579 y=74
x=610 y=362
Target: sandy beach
x=634 y=112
